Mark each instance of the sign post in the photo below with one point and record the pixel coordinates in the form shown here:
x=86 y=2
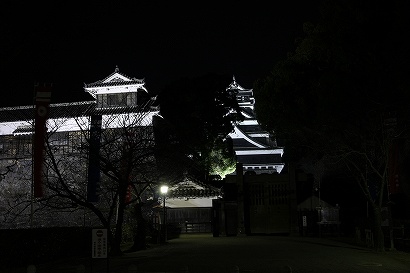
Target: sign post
x=304 y=224
x=99 y=243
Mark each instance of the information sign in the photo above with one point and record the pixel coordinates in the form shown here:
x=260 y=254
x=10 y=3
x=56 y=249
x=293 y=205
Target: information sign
x=99 y=243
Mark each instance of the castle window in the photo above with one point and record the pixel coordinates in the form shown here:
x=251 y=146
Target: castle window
x=116 y=100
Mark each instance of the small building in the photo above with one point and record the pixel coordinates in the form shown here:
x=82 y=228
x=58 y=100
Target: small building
x=318 y=217
x=189 y=206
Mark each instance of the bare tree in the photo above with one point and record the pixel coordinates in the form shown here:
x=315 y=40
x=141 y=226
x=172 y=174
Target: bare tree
x=126 y=162
x=14 y=192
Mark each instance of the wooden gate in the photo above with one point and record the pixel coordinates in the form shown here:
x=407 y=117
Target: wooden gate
x=268 y=206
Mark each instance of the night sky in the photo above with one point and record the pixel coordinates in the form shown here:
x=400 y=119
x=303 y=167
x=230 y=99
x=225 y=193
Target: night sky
x=69 y=45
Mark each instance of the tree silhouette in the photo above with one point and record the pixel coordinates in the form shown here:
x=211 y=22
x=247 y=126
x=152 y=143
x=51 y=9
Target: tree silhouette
x=198 y=114
x=126 y=162
x=341 y=95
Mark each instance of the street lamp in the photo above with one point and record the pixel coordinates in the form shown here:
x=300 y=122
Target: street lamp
x=164 y=191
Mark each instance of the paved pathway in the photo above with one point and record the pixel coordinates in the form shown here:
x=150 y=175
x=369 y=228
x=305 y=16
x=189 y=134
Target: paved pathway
x=202 y=253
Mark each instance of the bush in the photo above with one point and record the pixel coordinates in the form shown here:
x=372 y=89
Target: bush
x=25 y=246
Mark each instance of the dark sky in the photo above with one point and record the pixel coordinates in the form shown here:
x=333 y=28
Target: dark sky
x=69 y=45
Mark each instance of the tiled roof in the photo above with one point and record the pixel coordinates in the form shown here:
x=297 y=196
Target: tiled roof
x=235 y=86
x=68 y=110
x=114 y=83
x=63 y=110
x=16 y=113
x=182 y=192
x=24 y=130
x=191 y=189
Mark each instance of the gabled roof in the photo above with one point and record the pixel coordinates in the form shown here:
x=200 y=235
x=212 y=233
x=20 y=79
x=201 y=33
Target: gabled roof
x=190 y=189
x=114 y=79
x=235 y=86
x=312 y=202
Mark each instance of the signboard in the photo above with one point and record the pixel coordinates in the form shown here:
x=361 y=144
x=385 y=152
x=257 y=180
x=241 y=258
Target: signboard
x=99 y=243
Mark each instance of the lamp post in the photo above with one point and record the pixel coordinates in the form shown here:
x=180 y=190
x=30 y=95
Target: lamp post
x=164 y=190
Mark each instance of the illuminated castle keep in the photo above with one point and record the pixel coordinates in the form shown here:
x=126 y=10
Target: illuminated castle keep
x=254 y=147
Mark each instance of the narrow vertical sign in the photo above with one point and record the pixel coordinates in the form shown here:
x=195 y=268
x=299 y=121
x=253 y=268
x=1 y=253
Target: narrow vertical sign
x=394 y=159
x=99 y=243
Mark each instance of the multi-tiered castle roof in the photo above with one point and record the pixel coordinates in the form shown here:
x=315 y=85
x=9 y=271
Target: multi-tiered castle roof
x=255 y=148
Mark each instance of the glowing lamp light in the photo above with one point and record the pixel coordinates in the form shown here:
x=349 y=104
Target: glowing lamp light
x=164 y=189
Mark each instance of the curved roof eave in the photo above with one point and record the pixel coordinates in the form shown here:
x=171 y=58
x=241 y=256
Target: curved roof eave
x=238 y=133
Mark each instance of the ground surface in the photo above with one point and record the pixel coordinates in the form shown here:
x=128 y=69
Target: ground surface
x=199 y=253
